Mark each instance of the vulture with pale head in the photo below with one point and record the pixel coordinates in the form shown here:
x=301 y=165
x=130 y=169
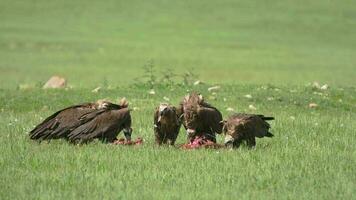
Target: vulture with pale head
x=85 y=122
x=166 y=124
x=241 y=127
x=200 y=118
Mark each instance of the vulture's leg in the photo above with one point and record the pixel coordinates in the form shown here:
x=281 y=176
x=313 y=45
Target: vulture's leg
x=158 y=138
x=237 y=143
x=251 y=142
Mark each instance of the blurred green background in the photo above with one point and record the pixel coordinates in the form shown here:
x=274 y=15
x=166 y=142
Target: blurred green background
x=277 y=42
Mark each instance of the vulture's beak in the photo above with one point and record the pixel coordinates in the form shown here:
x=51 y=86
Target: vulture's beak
x=190 y=132
x=127 y=133
x=162 y=111
x=229 y=141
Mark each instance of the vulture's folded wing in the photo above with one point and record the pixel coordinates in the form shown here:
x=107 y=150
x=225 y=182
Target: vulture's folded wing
x=104 y=125
x=55 y=125
x=211 y=118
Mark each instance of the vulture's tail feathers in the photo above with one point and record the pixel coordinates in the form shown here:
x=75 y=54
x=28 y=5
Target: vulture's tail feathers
x=44 y=130
x=267 y=118
x=269 y=134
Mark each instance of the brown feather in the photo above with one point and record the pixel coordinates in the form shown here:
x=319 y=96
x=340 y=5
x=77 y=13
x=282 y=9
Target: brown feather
x=245 y=127
x=166 y=124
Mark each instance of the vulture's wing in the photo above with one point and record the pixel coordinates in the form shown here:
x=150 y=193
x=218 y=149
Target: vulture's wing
x=156 y=116
x=58 y=124
x=211 y=118
x=104 y=125
x=258 y=125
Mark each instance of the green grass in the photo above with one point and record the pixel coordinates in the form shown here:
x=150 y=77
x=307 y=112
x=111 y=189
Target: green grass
x=310 y=157
x=270 y=50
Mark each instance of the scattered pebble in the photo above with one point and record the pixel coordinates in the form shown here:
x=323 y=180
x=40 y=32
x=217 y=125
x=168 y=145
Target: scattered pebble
x=251 y=107
x=316 y=85
x=313 y=105
x=96 y=90
x=324 y=87
x=25 y=87
x=198 y=82
x=230 y=109
x=270 y=98
x=248 y=96
x=55 y=82
x=214 y=88
x=152 y=92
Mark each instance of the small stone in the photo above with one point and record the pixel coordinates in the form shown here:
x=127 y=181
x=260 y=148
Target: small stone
x=270 y=98
x=316 y=85
x=198 y=82
x=96 y=90
x=55 y=82
x=166 y=98
x=324 y=87
x=313 y=105
x=152 y=92
x=248 y=96
x=251 y=107
x=214 y=88
x=25 y=87
x=230 y=109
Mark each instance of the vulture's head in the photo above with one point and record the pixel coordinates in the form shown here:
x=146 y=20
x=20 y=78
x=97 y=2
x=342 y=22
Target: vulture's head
x=232 y=130
x=191 y=106
x=167 y=114
x=102 y=104
x=126 y=124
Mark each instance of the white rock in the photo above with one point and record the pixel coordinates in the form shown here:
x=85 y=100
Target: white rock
x=251 y=107
x=316 y=84
x=152 y=92
x=214 y=88
x=96 y=90
x=313 y=105
x=55 y=82
x=198 y=82
x=324 y=87
x=230 y=109
x=248 y=96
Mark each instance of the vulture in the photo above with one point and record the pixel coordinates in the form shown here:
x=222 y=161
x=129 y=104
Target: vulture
x=200 y=118
x=85 y=122
x=166 y=124
x=245 y=127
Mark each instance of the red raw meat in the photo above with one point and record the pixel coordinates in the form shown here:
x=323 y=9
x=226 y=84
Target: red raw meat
x=201 y=142
x=122 y=141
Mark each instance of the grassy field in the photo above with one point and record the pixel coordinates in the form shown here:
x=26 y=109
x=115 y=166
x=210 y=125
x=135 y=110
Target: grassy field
x=271 y=51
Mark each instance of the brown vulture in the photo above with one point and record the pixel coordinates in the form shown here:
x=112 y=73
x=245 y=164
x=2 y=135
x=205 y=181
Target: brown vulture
x=245 y=127
x=166 y=124
x=84 y=122
x=200 y=118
